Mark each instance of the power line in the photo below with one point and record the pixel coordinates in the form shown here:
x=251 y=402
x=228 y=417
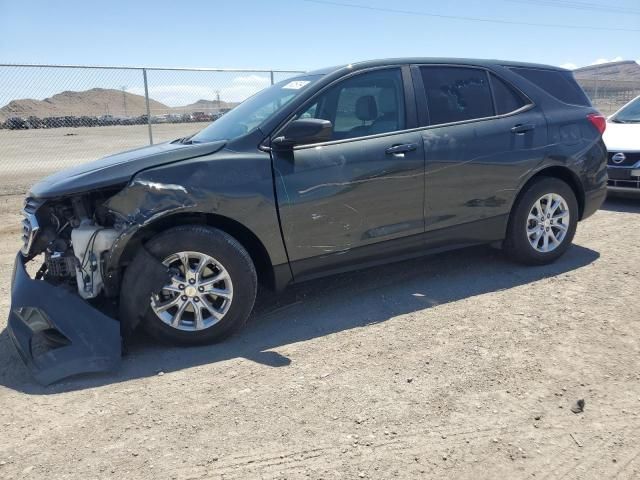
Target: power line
x=574 y=5
x=468 y=19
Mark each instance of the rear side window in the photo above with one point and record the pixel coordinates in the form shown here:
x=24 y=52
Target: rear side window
x=556 y=83
x=455 y=94
x=507 y=98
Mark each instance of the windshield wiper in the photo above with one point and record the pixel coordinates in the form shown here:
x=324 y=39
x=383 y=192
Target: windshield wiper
x=184 y=140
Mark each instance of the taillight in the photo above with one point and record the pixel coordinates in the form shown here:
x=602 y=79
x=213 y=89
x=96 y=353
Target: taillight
x=598 y=121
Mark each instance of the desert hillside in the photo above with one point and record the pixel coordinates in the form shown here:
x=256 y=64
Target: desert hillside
x=626 y=71
x=205 y=106
x=94 y=102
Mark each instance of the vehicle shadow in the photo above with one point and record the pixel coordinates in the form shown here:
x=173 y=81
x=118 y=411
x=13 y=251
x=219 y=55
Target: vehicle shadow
x=317 y=308
x=622 y=203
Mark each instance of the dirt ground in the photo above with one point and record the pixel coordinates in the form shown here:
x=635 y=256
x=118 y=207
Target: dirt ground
x=461 y=365
x=29 y=155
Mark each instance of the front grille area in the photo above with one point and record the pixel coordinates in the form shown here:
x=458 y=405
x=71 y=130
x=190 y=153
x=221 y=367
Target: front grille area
x=631 y=159
x=30 y=225
x=635 y=184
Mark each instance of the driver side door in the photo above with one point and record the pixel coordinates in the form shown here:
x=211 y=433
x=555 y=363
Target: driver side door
x=358 y=198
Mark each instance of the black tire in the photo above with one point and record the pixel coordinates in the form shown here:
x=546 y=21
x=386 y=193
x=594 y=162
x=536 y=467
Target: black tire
x=230 y=253
x=517 y=245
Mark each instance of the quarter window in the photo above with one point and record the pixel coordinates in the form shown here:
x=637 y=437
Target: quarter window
x=366 y=104
x=557 y=83
x=455 y=94
x=507 y=98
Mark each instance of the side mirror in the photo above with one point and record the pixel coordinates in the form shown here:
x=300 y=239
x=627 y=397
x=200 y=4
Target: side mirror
x=304 y=131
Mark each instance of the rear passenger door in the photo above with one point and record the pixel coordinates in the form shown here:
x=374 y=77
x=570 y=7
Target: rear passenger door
x=482 y=135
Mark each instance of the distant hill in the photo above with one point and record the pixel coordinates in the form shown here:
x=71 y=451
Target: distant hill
x=610 y=85
x=97 y=101
x=626 y=71
x=205 y=106
x=101 y=101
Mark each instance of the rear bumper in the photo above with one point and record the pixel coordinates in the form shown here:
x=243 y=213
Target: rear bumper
x=56 y=333
x=593 y=200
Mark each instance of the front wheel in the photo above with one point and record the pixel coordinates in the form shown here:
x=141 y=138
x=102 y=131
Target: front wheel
x=212 y=287
x=543 y=222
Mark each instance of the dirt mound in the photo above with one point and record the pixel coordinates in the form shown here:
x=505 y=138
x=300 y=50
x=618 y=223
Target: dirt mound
x=203 y=105
x=94 y=102
x=626 y=71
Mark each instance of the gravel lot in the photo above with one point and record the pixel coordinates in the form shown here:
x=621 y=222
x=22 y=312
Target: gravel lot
x=457 y=366
x=28 y=155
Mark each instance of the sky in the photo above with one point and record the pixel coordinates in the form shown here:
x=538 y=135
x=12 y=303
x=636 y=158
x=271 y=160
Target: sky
x=293 y=35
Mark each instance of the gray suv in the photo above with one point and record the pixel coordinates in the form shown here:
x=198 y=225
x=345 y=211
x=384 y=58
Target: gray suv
x=333 y=170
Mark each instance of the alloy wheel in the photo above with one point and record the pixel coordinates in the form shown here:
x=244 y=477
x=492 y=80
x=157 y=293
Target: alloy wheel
x=548 y=222
x=199 y=294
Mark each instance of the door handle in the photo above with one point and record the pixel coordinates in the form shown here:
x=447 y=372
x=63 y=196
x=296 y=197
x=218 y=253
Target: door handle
x=523 y=128
x=400 y=150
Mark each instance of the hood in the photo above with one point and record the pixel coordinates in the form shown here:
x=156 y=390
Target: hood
x=118 y=169
x=622 y=137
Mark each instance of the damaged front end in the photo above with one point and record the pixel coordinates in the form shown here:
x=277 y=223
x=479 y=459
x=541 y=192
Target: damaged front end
x=58 y=320
x=67 y=279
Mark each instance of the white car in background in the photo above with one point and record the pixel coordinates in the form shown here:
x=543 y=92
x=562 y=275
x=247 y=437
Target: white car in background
x=622 y=138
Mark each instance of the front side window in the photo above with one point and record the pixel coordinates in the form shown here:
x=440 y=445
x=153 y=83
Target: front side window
x=456 y=94
x=367 y=104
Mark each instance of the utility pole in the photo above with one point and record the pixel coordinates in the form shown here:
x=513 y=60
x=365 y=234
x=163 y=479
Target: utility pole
x=124 y=99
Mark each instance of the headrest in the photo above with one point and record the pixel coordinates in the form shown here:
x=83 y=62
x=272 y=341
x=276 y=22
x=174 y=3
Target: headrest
x=366 y=108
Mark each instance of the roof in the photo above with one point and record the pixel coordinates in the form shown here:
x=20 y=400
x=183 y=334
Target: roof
x=435 y=60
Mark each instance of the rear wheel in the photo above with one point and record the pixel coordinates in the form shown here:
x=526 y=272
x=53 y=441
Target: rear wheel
x=212 y=287
x=543 y=222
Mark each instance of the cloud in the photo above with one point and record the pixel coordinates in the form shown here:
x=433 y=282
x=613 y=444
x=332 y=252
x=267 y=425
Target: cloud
x=243 y=87
x=569 y=66
x=236 y=90
x=600 y=61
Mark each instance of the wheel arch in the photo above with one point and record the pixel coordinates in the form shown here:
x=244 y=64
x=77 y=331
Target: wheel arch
x=256 y=249
x=561 y=173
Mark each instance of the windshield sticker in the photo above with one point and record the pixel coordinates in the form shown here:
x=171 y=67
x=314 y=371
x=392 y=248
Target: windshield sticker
x=296 y=85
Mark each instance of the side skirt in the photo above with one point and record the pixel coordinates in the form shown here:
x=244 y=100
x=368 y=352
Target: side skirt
x=485 y=231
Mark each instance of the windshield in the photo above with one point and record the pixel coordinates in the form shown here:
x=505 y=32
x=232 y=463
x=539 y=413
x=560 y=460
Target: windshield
x=629 y=114
x=254 y=111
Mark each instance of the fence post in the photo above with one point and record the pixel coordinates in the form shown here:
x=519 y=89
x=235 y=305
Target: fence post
x=271 y=77
x=146 y=99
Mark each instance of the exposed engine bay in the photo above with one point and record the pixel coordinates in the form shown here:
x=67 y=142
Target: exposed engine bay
x=83 y=229
x=73 y=234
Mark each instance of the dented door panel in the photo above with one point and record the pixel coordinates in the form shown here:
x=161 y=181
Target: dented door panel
x=336 y=198
x=487 y=159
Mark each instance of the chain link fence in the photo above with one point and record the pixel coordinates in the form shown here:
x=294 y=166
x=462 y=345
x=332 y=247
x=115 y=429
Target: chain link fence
x=53 y=116
x=610 y=95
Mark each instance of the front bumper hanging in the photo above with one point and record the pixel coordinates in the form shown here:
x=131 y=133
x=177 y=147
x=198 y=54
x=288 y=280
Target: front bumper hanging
x=58 y=334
